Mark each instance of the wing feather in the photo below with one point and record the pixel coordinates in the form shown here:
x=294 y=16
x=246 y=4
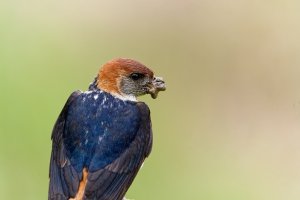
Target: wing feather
x=112 y=182
x=64 y=180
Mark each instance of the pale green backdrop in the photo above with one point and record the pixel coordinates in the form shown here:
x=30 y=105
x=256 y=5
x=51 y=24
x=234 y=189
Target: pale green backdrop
x=228 y=126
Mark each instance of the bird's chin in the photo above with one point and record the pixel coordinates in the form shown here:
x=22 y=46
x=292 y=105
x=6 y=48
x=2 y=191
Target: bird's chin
x=156 y=86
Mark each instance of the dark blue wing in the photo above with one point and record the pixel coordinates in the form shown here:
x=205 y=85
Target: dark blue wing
x=64 y=180
x=111 y=182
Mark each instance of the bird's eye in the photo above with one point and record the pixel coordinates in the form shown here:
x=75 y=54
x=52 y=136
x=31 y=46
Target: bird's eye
x=136 y=76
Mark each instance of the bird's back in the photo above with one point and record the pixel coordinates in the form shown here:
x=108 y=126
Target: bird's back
x=105 y=136
x=99 y=122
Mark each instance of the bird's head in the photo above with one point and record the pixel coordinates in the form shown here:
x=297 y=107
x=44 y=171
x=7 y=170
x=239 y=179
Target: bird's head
x=128 y=79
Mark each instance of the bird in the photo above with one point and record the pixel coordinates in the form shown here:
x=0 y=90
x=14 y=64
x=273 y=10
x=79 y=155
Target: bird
x=103 y=135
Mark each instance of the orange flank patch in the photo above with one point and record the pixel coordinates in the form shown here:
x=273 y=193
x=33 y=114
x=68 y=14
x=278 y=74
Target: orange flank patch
x=111 y=72
x=82 y=185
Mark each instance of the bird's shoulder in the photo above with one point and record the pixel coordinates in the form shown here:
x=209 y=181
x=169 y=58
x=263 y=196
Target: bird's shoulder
x=60 y=122
x=101 y=106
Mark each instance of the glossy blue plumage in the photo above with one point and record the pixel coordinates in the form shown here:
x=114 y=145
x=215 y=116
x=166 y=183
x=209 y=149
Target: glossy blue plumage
x=106 y=136
x=99 y=122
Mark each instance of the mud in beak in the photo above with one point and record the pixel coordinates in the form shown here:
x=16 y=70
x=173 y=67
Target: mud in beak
x=156 y=86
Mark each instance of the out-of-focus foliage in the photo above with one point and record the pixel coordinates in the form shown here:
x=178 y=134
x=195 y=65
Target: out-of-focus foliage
x=228 y=126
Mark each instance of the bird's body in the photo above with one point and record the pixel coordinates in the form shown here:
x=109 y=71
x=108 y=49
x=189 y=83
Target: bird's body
x=100 y=141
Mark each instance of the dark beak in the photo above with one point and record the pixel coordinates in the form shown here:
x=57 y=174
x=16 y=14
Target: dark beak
x=156 y=86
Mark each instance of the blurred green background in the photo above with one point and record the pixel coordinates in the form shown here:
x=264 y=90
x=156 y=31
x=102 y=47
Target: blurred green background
x=228 y=126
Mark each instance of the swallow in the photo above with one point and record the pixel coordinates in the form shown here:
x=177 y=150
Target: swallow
x=103 y=135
